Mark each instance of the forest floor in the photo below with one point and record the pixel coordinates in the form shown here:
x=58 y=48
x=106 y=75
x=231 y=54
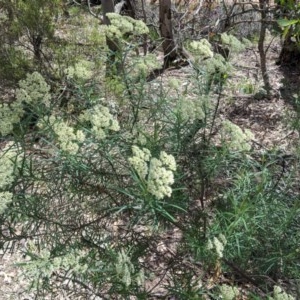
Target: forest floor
x=268 y=120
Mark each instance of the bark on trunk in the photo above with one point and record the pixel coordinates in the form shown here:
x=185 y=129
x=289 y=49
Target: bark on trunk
x=131 y=8
x=290 y=52
x=113 y=67
x=165 y=21
x=261 y=46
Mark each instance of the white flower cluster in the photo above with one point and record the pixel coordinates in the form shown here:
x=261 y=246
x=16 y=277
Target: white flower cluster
x=140 y=160
x=10 y=115
x=67 y=138
x=192 y=109
x=89 y=32
x=125 y=270
x=44 y=265
x=139 y=136
x=82 y=70
x=5 y=198
x=217 y=244
x=174 y=83
x=213 y=63
x=9 y=160
x=217 y=64
x=101 y=120
x=235 y=137
x=229 y=292
x=279 y=294
x=121 y=25
x=247 y=42
x=158 y=173
x=124 y=267
x=232 y=42
x=201 y=48
x=34 y=90
x=142 y=65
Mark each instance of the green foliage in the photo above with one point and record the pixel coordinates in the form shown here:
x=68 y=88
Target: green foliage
x=26 y=26
x=256 y=215
x=289 y=19
x=13 y=64
x=294 y=116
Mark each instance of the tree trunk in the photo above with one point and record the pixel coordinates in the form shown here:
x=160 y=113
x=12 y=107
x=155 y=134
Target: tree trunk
x=261 y=46
x=113 y=66
x=290 y=52
x=131 y=8
x=107 y=7
x=165 y=21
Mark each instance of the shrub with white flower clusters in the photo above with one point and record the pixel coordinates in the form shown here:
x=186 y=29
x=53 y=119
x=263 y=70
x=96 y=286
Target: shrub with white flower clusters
x=235 y=137
x=158 y=173
x=9 y=161
x=101 y=120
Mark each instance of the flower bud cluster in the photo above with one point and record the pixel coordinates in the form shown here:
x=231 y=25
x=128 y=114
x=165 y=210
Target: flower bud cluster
x=82 y=70
x=201 y=48
x=140 y=160
x=158 y=173
x=141 y=65
x=232 y=42
x=217 y=244
x=213 y=63
x=192 y=109
x=9 y=161
x=10 y=115
x=124 y=267
x=236 y=138
x=34 y=90
x=101 y=120
x=44 y=264
x=280 y=294
x=229 y=292
x=66 y=136
x=217 y=64
x=123 y=25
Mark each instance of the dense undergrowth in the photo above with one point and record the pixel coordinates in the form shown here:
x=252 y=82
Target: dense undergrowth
x=123 y=188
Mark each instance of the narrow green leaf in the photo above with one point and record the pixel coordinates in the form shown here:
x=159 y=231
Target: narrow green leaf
x=285 y=22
